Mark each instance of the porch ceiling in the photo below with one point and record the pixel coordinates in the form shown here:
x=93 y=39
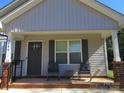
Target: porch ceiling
x=104 y=33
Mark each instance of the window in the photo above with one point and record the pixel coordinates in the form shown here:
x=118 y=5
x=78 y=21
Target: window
x=75 y=52
x=68 y=52
x=61 y=52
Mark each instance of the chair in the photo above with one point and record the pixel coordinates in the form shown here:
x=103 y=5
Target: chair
x=84 y=70
x=53 y=70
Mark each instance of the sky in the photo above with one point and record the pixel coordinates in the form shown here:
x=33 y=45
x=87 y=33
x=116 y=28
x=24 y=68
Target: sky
x=117 y=5
x=3 y=3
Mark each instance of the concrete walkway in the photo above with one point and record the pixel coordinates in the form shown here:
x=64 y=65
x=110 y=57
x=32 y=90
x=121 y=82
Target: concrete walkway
x=63 y=90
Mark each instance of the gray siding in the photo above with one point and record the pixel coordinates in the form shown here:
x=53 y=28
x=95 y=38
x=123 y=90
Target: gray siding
x=61 y=15
x=97 y=57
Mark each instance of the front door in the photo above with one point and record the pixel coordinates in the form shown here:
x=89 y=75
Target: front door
x=34 y=58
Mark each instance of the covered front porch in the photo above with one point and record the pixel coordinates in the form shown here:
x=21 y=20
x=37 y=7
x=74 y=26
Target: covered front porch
x=68 y=49
x=90 y=48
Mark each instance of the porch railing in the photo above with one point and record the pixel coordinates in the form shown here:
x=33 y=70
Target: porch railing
x=16 y=64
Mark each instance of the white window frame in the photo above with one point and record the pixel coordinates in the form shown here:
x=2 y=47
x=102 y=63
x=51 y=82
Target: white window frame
x=68 y=52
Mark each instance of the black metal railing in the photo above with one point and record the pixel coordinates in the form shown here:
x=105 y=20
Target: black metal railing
x=15 y=65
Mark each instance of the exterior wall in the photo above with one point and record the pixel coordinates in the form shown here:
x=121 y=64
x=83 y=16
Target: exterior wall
x=61 y=15
x=96 y=51
x=97 y=56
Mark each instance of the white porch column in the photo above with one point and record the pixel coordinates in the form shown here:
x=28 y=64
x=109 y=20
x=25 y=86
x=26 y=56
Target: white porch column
x=106 y=55
x=1 y=51
x=8 y=57
x=115 y=46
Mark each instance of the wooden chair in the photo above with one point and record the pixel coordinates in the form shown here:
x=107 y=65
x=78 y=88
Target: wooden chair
x=53 y=70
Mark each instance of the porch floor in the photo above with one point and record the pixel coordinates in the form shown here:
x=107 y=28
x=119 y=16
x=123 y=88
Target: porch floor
x=63 y=80
x=63 y=83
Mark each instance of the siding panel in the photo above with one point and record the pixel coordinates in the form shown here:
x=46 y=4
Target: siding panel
x=54 y=15
x=97 y=59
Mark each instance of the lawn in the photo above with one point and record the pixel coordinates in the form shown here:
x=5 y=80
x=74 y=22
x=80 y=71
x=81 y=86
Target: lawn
x=110 y=74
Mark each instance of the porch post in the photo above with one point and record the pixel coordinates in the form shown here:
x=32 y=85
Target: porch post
x=118 y=65
x=8 y=57
x=106 y=55
x=6 y=76
x=116 y=47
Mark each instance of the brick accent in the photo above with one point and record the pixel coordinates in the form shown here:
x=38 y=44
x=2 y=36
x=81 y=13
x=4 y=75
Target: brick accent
x=118 y=68
x=5 y=75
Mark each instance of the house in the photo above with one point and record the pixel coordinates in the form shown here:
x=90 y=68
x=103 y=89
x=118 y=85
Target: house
x=63 y=31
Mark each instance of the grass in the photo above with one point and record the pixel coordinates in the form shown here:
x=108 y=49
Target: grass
x=110 y=74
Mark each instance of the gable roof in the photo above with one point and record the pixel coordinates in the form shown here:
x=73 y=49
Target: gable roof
x=11 y=6
x=22 y=7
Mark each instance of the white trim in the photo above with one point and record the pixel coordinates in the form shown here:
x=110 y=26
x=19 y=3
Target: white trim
x=1 y=26
x=8 y=57
x=67 y=32
x=106 y=56
x=13 y=48
x=55 y=50
x=116 y=46
x=68 y=53
x=81 y=51
x=26 y=69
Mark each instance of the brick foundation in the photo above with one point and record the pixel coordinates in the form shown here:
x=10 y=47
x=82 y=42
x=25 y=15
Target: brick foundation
x=118 y=68
x=5 y=75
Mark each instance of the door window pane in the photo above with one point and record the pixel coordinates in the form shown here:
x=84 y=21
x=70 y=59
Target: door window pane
x=61 y=46
x=74 y=46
